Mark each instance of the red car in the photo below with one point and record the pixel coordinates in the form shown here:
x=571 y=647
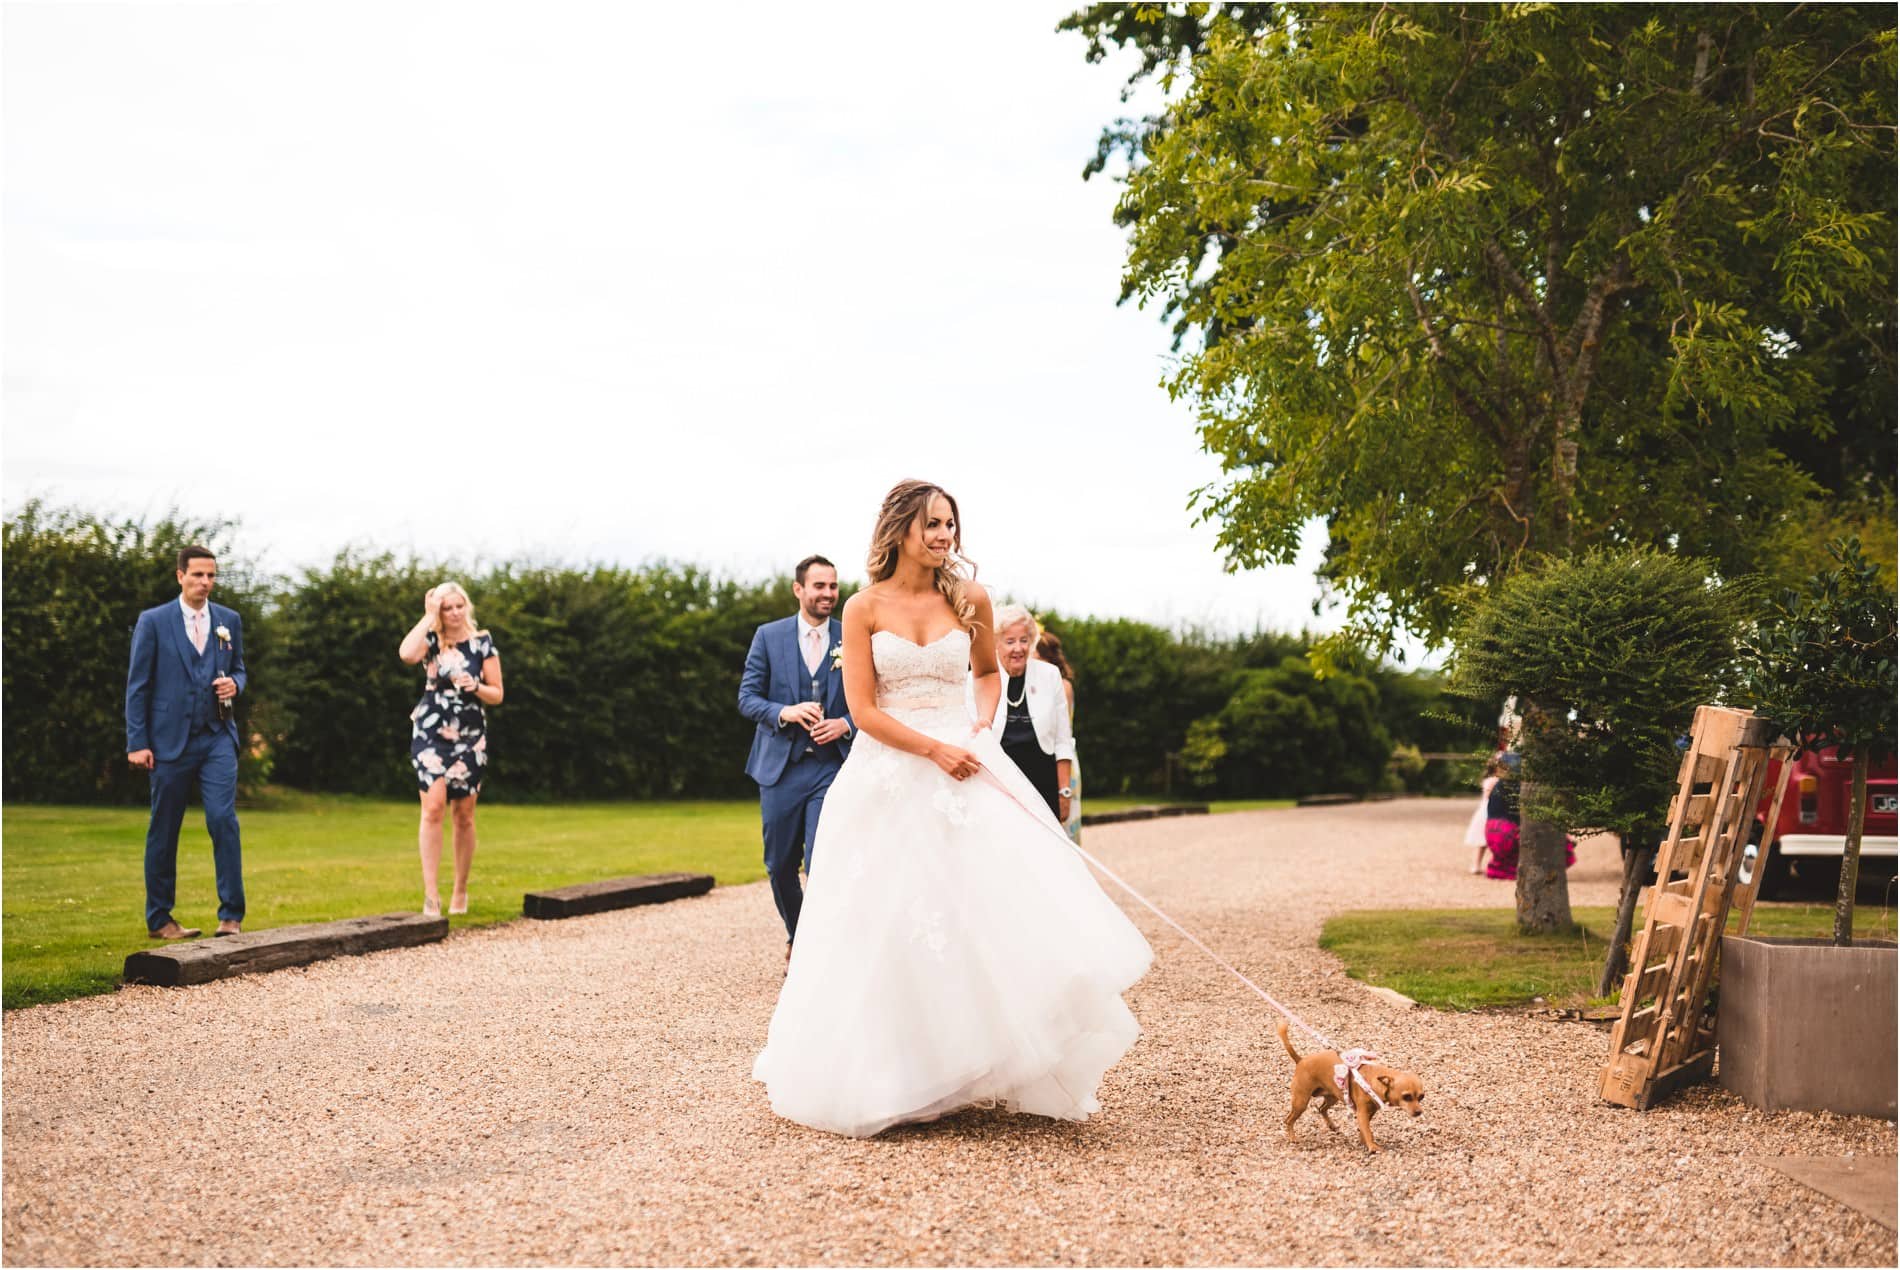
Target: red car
x=1812 y=833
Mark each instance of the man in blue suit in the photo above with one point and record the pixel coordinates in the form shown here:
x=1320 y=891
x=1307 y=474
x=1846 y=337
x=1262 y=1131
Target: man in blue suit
x=794 y=691
x=187 y=670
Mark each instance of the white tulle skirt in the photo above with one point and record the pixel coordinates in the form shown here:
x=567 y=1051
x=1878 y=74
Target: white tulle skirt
x=952 y=950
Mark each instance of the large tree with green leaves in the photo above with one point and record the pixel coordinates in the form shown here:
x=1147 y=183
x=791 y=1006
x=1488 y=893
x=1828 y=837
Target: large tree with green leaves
x=1479 y=283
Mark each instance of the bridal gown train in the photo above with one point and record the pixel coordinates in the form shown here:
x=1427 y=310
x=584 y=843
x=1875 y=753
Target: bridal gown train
x=953 y=949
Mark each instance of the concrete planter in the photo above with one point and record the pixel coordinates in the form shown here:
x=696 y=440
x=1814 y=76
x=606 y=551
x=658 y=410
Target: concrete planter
x=1802 y=1024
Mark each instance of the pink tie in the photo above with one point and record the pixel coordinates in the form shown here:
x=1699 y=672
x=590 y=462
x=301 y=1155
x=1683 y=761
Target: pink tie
x=813 y=653
x=198 y=631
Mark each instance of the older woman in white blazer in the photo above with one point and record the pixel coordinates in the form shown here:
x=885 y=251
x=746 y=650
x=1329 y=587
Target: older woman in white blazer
x=1032 y=711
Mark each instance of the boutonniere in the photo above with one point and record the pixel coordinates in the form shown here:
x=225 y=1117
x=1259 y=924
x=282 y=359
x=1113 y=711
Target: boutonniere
x=224 y=635
x=837 y=656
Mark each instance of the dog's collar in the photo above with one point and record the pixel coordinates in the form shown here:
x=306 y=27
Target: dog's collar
x=1346 y=1071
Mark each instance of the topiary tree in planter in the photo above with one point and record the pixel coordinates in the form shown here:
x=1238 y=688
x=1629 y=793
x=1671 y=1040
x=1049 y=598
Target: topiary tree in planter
x=1609 y=652
x=1820 y=664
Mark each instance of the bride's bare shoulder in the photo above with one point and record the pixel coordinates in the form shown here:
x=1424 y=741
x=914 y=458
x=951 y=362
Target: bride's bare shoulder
x=979 y=600
x=861 y=607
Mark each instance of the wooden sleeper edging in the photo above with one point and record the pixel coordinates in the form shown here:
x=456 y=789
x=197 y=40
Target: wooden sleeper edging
x=583 y=898
x=1143 y=813
x=204 y=960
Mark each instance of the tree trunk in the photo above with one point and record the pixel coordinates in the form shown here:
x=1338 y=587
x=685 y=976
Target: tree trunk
x=1637 y=859
x=1563 y=479
x=1850 y=853
x=1543 y=892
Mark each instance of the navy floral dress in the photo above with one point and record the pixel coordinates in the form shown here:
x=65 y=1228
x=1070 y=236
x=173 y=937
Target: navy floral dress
x=448 y=733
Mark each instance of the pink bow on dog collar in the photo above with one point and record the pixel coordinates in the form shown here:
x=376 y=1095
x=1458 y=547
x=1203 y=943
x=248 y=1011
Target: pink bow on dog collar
x=1347 y=1070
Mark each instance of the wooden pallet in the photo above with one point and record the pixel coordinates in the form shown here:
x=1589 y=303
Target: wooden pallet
x=1664 y=1037
x=1745 y=892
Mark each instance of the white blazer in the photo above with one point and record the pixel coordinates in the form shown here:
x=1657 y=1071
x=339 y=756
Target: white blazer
x=1048 y=707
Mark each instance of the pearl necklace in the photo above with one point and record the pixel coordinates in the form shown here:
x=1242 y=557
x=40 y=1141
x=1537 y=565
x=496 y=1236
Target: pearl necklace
x=1016 y=701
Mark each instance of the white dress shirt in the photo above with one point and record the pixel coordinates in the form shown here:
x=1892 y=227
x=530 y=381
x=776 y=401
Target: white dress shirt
x=812 y=641
x=197 y=624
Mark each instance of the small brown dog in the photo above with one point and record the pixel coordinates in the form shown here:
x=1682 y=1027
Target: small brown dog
x=1319 y=1074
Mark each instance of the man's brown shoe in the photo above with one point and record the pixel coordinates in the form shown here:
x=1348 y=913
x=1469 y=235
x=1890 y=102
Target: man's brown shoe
x=228 y=928
x=172 y=930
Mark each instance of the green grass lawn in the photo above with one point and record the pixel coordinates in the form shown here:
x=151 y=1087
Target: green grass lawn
x=74 y=883
x=1472 y=958
x=74 y=880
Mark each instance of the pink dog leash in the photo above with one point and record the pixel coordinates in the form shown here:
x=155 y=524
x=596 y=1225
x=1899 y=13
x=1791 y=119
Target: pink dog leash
x=1188 y=935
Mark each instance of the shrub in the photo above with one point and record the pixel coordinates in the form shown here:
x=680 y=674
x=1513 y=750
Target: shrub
x=1285 y=732
x=75 y=584
x=621 y=683
x=1609 y=653
x=1821 y=665
x=1612 y=651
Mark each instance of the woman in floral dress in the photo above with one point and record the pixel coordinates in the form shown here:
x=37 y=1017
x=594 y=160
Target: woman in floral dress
x=448 y=731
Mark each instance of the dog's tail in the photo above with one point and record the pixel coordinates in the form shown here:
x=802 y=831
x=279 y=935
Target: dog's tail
x=1288 y=1043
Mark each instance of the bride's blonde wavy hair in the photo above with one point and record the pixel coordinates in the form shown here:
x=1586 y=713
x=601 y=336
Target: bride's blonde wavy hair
x=906 y=502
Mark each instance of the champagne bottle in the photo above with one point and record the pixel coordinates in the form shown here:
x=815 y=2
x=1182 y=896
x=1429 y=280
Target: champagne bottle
x=227 y=706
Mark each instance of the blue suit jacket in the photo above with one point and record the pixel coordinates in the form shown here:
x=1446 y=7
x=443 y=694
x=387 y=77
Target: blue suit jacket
x=775 y=677
x=158 y=685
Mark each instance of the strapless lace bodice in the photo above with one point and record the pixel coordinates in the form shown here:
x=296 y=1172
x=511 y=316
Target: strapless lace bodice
x=915 y=679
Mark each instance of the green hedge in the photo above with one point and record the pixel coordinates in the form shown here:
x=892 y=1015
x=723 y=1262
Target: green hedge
x=621 y=683
x=74 y=586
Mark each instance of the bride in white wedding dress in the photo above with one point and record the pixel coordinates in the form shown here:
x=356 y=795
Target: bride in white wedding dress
x=953 y=949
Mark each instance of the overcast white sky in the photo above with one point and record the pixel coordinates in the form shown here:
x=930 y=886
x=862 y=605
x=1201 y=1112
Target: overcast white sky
x=595 y=282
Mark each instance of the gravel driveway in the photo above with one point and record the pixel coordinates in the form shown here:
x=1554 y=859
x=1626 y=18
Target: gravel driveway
x=579 y=1092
